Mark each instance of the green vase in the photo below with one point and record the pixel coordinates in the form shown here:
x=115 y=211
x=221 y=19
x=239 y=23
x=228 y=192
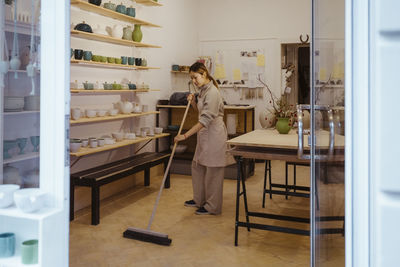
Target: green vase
x=137 y=33
x=283 y=125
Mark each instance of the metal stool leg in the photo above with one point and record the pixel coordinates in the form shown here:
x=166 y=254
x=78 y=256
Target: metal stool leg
x=265 y=182
x=270 y=179
x=286 y=179
x=294 y=177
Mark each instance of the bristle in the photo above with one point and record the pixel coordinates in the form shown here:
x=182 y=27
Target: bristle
x=147 y=236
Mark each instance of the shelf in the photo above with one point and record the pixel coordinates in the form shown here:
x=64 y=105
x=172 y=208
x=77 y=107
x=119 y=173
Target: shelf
x=97 y=91
x=26 y=156
x=329 y=86
x=109 y=39
x=87 y=151
x=226 y=107
x=184 y=72
x=110 y=13
x=20 y=112
x=96 y=64
x=109 y=118
x=148 y=2
x=13 y=211
x=237 y=86
x=22 y=28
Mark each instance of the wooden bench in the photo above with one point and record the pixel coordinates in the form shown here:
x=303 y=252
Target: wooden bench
x=110 y=172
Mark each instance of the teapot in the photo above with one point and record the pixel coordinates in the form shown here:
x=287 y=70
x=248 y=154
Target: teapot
x=99 y=30
x=127 y=33
x=124 y=107
x=117 y=31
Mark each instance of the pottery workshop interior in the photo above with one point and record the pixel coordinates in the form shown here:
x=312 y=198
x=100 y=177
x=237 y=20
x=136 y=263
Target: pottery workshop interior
x=198 y=133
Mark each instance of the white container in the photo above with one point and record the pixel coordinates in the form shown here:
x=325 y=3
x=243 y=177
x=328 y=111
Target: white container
x=91 y=113
x=75 y=146
x=130 y=136
x=101 y=113
x=231 y=123
x=158 y=130
x=76 y=113
x=7 y=194
x=101 y=142
x=30 y=199
x=13 y=103
x=118 y=136
x=113 y=112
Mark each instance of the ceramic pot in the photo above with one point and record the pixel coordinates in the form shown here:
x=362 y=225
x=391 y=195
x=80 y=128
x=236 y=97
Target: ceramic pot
x=124 y=107
x=131 y=61
x=15 y=63
x=87 y=55
x=138 y=61
x=282 y=125
x=130 y=11
x=117 y=31
x=124 y=60
x=6 y=196
x=121 y=9
x=137 y=34
x=100 y=30
x=110 y=6
x=78 y=53
x=127 y=35
x=83 y=27
x=144 y=62
x=267 y=119
x=95 y=2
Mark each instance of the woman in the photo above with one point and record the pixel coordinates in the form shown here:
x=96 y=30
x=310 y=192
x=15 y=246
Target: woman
x=209 y=159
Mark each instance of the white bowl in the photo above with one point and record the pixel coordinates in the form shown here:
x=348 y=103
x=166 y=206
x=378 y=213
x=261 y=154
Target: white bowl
x=118 y=136
x=179 y=148
x=13 y=103
x=29 y=199
x=6 y=194
x=74 y=146
x=109 y=141
x=158 y=130
x=130 y=136
x=113 y=112
x=91 y=113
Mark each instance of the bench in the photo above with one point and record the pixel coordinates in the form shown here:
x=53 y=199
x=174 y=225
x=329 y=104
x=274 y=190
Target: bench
x=110 y=172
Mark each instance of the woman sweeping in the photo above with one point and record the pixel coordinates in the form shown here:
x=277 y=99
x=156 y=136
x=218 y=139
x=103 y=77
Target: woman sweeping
x=209 y=159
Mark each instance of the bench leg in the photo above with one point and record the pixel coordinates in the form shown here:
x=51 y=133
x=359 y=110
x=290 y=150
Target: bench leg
x=71 y=199
x=147 y=177
x=167 y=180
x=95 y=205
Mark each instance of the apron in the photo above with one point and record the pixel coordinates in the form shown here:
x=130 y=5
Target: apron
x=211 y=142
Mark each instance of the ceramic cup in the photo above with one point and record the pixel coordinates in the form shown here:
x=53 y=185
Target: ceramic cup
x=138 y=132
x=74 y=146
x=121 y=9
x=138 y=61
x=21 y=142
x=7 y=194
x=131 y=60
x=151 y=131
x=93 y=143
x=29 y=251
x=130 y=11
x=144 y=133
x=145 y=108
x=35 y=140
x=103 y=59
x=78 y=54
x=175 y=67
x=101 y=141
x=85 y=142
x=87 y=55
x=7 y=245
x=110 y=59
x=124 y=60
x=76 y=113
x=118 y=61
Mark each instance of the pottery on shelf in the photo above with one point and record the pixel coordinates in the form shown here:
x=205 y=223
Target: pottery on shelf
x=100 y=30
x=267 y=118
x=137 y=34
x=282 y=125
x=15 y=63
x=127 y=35
x=121 y=9
x=7 y=145
x=83 y=27
x=124 y=107
x=21 y=142
x=95 y=2
x=110 y=6
x=117 y=31
x=131 y=11
x=35 y=140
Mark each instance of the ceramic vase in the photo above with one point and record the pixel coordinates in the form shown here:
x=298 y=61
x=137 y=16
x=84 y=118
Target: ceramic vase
x=15 y=63
x=137 y=33
x=267 y=119
x=127 y=33
x=282 y=125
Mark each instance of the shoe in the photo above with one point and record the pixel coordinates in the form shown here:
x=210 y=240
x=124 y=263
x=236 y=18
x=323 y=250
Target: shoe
x=190 y=203
x=202 y=211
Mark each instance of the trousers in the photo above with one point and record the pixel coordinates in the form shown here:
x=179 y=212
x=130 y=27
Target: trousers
x=207 y=185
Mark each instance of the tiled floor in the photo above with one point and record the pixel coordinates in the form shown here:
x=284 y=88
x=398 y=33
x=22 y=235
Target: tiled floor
x=197 y=240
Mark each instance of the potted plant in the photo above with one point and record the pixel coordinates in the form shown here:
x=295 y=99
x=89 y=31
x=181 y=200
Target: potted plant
x=283 y=113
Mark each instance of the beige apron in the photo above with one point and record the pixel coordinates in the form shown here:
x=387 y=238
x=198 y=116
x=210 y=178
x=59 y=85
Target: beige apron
x=211 y=142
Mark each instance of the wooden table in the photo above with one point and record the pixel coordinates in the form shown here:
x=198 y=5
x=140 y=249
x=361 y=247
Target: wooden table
x=270 y=145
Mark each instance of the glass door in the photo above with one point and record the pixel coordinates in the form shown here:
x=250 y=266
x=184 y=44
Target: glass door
x=326 y=137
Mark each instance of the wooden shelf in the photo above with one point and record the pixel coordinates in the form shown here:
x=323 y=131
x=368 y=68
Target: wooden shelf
x=20 y=112
x=96 y=64
x=110 y=118
x=97 y=91
x=87 y=151
x=109 y=39
x=175 y=71
x=110 y=13
x=26 y=156
x=148 y=2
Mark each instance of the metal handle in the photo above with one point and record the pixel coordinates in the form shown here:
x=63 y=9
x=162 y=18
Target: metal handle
x=301 y=131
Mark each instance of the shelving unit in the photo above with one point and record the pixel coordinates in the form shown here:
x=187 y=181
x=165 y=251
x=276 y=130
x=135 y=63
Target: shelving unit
x=148 y=2
x=95 y=64
x=87 y=151
x=9 y=113
x=100 y=91
x=26 y=156
x=110 y=118
x=176 y=71
x=110 y=13
x=109 y=39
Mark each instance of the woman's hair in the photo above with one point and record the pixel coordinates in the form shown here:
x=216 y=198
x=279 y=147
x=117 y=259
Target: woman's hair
x=201 y=68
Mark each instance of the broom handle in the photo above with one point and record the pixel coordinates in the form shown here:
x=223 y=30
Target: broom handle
x=167 y=169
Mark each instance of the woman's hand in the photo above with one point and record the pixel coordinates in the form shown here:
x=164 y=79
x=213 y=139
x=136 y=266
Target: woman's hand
x=191 y=99
x=178 y=138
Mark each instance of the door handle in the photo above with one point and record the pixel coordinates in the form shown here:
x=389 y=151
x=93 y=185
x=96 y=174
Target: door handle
x=301 y=132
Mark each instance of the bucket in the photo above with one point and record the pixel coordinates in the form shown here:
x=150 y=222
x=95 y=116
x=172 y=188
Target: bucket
x=231 y=123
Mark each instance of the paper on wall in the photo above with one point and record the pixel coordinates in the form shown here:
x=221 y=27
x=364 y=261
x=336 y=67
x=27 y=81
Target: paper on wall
x=260 y=60
x=237 y=75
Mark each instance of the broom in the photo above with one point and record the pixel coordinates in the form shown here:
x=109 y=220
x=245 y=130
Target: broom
x=146 y=234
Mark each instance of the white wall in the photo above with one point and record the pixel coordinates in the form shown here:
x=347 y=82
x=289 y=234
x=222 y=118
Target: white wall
x=179 y=41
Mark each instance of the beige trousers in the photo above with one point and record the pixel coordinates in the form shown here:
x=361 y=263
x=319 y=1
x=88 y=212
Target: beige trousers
x=208 y=187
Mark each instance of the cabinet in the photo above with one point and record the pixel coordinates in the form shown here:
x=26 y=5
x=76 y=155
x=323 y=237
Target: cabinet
x=124 y=94
x=33 y=109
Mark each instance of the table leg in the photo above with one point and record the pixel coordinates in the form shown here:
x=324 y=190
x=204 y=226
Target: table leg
x=270 y=179
x=265 y=182
x=286 y=180
x=246 y=208
x=238 y=165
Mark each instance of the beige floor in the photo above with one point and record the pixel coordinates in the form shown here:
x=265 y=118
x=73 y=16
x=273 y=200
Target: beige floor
x=196 y=240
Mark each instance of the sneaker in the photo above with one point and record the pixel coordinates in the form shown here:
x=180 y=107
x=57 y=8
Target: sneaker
x=190 y=203
x=202 y=211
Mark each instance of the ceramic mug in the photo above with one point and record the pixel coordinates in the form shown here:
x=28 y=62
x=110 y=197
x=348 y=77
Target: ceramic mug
x=7 y=245
x=138 y=61
x=76 y=113
x=130 y=11
x=124 y=60
x=93 y=143
x=85 y=142
x=101 y=141
x=131 y=61
x=121 y=9
x=29 y=251
x=78 y=54
x=87 y=55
